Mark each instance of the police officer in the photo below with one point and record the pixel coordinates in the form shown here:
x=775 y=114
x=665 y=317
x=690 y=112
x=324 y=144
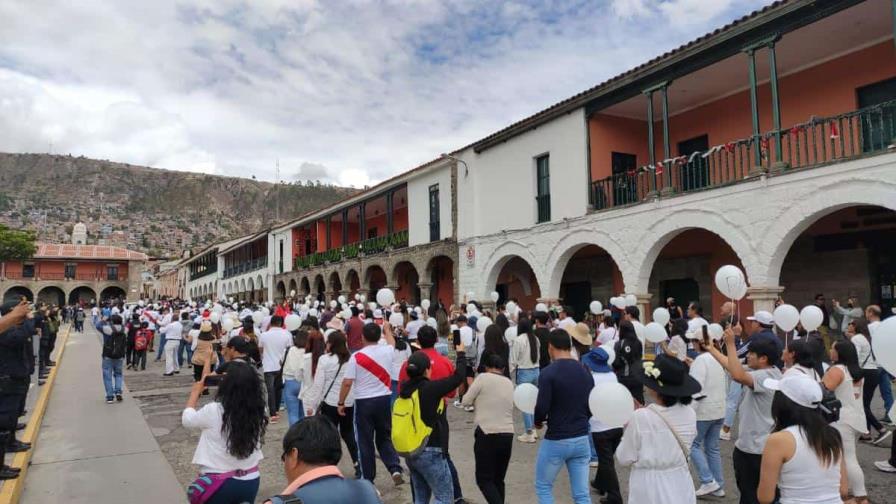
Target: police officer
x=16 y=366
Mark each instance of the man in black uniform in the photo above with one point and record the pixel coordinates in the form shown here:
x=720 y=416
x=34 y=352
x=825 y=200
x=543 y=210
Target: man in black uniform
x=16 y=366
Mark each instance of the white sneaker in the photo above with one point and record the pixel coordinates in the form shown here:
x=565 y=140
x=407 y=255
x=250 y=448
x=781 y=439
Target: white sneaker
x=458 y=405
x=526 y=438
x=719 y=493
x=725 y=436
x=534 y=434
x=469 y=409
x=884 y=465
x=708 y=488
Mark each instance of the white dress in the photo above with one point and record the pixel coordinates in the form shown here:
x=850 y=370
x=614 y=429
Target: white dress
x=660 y=471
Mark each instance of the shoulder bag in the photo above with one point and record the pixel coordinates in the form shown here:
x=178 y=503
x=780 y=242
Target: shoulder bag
x=333 y=382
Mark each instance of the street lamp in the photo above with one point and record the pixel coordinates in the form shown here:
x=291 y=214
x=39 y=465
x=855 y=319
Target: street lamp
x=459 y=160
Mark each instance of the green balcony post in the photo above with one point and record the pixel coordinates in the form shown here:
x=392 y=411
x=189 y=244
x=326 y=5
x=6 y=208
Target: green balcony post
x=650 y=140
x=667 y=150
x=390 y=205
x=776 y=104
x=754 y=109
x=329 y=222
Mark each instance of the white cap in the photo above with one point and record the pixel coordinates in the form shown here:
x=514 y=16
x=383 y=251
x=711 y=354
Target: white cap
x=763 y=317
x=798 y=387
x=694 y=325
x=377 y=313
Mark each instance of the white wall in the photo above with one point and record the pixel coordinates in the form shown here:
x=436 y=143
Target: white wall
x=274 y=251
x=418 y=205
x=499 y=192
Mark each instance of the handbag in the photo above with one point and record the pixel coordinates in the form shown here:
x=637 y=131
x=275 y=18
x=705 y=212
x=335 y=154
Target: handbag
x=203 y=488
x=321 y=404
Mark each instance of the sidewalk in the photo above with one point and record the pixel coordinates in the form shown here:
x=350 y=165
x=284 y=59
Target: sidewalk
x=89 y=451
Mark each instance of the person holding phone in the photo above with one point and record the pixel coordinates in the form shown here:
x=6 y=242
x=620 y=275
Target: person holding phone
x=233 y=426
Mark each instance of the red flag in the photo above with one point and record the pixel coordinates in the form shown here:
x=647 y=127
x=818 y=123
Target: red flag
x=659 y=168
x=835 y=130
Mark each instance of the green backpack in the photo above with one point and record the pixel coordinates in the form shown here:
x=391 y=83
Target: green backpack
x=409 y=432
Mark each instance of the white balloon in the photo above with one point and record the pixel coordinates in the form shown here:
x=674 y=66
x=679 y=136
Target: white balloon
x=471 y=309
x=333 y=304
x=611 y=352
x=385 y=297
x=341 y=299
x=396 y=320
x=512 y=308
x=371 y=305
x=292 y=322
x=316 y=303
x=357 y=297
x=141 y=303
x=510 y=335
x=611 y=403
x=631 y=300
x=541 y=307
x=618 y=302
x=786 y=317
x=313 y=312
x=661 y=316
x=482 y=323
x=266 y=311
x=883 y=343
x=425 y=304
x=346 y=314
x=640 y=330
x=595 y=307
x=227 y=324
x=215 y=317
x=655 y=332
x=495 y=296
x=811 y=317
x=715 y=331
x=362 y=298
x=431 y=322
x=292 y=293
x=731 y=282
x=235 y=306
x=525 y=396
x=257 y=317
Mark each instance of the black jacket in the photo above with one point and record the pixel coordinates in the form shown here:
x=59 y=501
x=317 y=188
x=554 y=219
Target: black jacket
x=16 y=352
x=431 y=394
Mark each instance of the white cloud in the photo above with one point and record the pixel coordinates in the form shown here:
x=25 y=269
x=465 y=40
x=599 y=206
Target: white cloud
x=351 y=92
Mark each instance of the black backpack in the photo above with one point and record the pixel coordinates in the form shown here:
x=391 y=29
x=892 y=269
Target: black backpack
x=115 y=345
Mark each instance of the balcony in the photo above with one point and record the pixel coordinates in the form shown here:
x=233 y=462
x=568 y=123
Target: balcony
x=246 y=266
x=368 y=247
x=203 y=273
x=818 y=142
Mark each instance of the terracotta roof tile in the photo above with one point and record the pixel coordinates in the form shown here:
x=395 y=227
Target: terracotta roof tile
x=102 y=252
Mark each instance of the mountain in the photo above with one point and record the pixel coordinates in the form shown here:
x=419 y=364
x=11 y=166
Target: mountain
x=157 y=211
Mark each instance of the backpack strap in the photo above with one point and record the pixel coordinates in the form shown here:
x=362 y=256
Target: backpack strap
x=284 y=499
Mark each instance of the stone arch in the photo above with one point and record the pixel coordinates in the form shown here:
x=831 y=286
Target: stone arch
x=800 y=215
x=334 y=283
x=51 y=294
x=352 y=281
x=293 y=286
x=243 y=285
x=306 y=285
x=655 y=237
x=499 y=258
x=250 y=285
x=406 y=280
x=81 y=294
x=374 y=275
x=112 y=291
x=567 y=247
x=440 y=272
x=16 y=292
x=320 y=286
x=259 y=282
x=281 y=290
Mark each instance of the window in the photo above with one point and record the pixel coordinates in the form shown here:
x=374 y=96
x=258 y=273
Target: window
x=434 y=228
x=70 y=270
x=625 y=179
x=543 y=187
x=694 y=174
x=280 y=257
x=878 y=128
x=371 y=233
x=112 y=272
x=28 y=271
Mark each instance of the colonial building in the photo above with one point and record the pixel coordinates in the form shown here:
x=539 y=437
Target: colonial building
x=398 y=234
x=244 y=269
x=61 y=273
x=764 y=144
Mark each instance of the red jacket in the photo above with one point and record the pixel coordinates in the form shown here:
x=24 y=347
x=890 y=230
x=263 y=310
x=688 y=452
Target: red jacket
x=441 y=368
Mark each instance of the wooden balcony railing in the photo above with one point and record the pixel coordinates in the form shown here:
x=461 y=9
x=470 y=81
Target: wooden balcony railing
x=817 y=142
x=368 y=247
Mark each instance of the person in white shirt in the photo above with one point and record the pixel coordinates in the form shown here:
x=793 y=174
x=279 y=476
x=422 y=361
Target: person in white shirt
x=230 y=451
x=367 y=372
x=566 y=321
x=709 y=405
x=858 y=334
x=293 y=376
x=172 y=332
x=609 y=333
x=414 y=325
x=273 y=344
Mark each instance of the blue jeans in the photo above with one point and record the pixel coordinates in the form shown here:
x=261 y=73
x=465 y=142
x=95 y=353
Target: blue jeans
x=552 y=456
x=294 y=408
x=886 y=390
x=431 y=477
x=161 y=347
x=188 y=349
x=527 y=376
x=733 y=400
x=112 y=370
x=705 y=452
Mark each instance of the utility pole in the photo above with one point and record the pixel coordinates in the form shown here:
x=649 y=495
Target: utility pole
x=277 y=193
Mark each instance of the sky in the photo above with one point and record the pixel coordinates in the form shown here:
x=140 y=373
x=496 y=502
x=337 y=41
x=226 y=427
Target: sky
x=345 y=92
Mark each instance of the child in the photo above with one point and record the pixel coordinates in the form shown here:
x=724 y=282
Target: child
x=142 y=342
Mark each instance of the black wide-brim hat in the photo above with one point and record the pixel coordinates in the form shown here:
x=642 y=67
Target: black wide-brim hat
x=673 y=379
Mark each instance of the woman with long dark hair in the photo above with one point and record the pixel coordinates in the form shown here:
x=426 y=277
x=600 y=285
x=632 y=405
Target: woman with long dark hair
x=495 y=344
x=858 y=334
x=844 y=378
x=233 y=428
x=316 y=344
x=323 y=396
x=526 y=352
x=629 y=352
x=802 y=458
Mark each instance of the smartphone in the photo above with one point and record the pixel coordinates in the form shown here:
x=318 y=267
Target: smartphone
x=456 y=333
x=213 y=380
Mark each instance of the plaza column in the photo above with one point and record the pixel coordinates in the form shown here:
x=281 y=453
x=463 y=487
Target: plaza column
x=644 y=306
x=425 y=290
x=329 y=222
x=764 y=296
x=390 y=205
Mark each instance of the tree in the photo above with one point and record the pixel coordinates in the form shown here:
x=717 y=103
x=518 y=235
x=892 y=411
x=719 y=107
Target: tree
x=16 y=245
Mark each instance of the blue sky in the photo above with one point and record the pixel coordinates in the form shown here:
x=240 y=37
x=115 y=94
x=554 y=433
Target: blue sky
x=345 y=92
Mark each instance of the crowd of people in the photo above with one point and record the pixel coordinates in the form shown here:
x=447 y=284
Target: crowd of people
x=379 y=377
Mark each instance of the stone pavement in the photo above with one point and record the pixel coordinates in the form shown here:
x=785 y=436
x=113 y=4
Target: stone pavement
x=90 y=451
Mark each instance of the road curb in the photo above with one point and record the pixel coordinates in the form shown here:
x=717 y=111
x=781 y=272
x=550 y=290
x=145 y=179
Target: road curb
x=11 y=490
